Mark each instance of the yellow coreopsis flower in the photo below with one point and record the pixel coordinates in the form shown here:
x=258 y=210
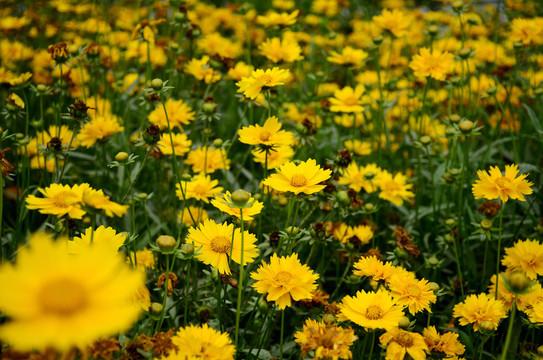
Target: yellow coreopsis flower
x=101 y=237
x=277 y=50
x=223 y=203
x=394 y=189
x=262 y=79
x=478 y=308
x=207 y=160
x=98 y=200
x=415 y=294
x=329 y=341
x=200 y=188
x=285 y=279
x=348 y=56
x=395 y=21
x=303 y=178
x=218 y=241
x=59 y=200
x=400 y=342
x=347 y=100
x=179 y=114
x=240 y=70
x=361 y=177
x=526 y=256
x=99 y=128
x=372 y=310
x=435 y=64
x=181 y=144
x=446 y=343
x=194 y=342
x=493 y=185
x=58 y=300
x=200 y=69
x=268 y=135
x=273 y=18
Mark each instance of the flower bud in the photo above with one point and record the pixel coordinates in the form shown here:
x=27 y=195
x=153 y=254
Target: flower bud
x=282 y=201
x=464 y=53
x=41 y=87
x=487 y=326
x=240 y=198
x=457 y=5
x=401 y=253
x=142 y=196
x=121 y=156
x=486 y=224
x=433 y=286
x=433 y=29
x=454 y=118
x=466 y=126
x=433 y=261
x=369 y=207
x=343 y=198
x=217 y=143
x=156 y=308
x=404 y=322
x=450 y=222
x=377 y=40
x=518 y=45
x=166 y=242
x=328 y=319
x=519 y=281
x=209 y=108
x=292 y=230
x=425 y=140
x=187 y=248
x=157 y=84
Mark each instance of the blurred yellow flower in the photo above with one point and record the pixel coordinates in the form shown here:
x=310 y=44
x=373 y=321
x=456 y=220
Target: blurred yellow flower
x=493 y=185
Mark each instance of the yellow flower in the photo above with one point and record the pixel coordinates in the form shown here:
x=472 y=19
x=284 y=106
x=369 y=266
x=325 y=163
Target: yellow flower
x=394 y=189
x=102 y=236
x=358 y=235
x=399 y=342
x=221 y=202
x=436 y=64
x=347 y=100
x=218 y=46
x=276 y=50
x=145 y=259
x=268 y=135
x=98 y=200
x=527 y=31
x=200 y=188
x=14 y=99
x=55 y=299
x=59 y=200
x=179 y=114
x=207 y=160
x=218 y=241
x=493 y=185
x=194 y=342
x=181 y=144
x=328 y=341
x=478 y=308
x=526 y=256
x=506 y=296
x=348 y=56
x=199 y=214
x=284 y=279
x=361 y=177
x=99 y=128
x=361 y=148
x=259 y=79
x=240 y=70
x=273 y=19
x=395 y=21
x=372 y=310
x=276 y=157
x=303 y=178
x=413 y=293
x=446 y=343
x=376 y=269
x=202 y=71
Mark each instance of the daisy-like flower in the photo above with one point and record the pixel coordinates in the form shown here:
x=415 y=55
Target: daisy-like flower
x=98 y=200
x=223 y=203
x=361 y=177
x=261 y=79
x=413 y=293
x=200 y=69
x=435 y=64
x=194 y=342
x=395 y=21
x=527 y=31
x=303 y=178
x=526 y=256
x=347 y=100
x=179 y=114
x=267 y=136
x=446 y=343
x=99 y=128
x=59 y=300
x=478 y=308
x=329 y=341
x=200 y=188
x=218 y=241
x=273 y=18
x=240 y=70
x=400 y=342
x=181 y=144
x=59 y=200
x=358 y=235
x=504 y=295
x=394 y=189
x=361 y=148
x=285 y=279
x=493 y=185
x=100 y=237
x=208 y=160
x=277 y=156
x=348 y=56
x=277 y=50
x=145 y=259
x=199 y=214
x=374 y=268
x=372 y=310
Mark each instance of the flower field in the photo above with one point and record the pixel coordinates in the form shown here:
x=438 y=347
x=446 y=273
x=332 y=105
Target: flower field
x=279 y=179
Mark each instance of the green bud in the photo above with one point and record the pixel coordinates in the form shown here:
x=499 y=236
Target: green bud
x=41 y=87
x=454 y=118
x=121 y=156
x=343 y=198
x=401 y=253
x=157 y=84
x=466 y=126
x=187 y=248
x=433 y=261
x=328 y=319
x=166 y=242
x=519 y=281
x=433 y=286
x=486 y=224
x=404 y=322
x=156 y=308
x=369 y=207
x=240 y=198
x=425 y=140
x=217 y=143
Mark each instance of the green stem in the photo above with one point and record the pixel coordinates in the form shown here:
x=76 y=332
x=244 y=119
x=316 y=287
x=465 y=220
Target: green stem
x=240 y=282
x=499 y=249
x=167 y=279
x=509 y=329
x=282 y=333
x=372 y=345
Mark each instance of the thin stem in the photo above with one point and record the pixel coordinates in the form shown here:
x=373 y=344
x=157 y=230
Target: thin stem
x=509 y=329
x=499 y=250
x=167 y=279
x=240 y=282
x=282 y=333
x=372 y=345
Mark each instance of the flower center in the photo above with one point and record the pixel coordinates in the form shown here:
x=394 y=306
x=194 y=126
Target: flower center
x=199 y=189
x=503 y=183
x=404 y=339
x=220 y=244
x=62 y=297
x=62 y=199
x=298 y=180
x=266 y=79
x=374 y=312
x=350 y=100
x=283 y=277
x=265 y=135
